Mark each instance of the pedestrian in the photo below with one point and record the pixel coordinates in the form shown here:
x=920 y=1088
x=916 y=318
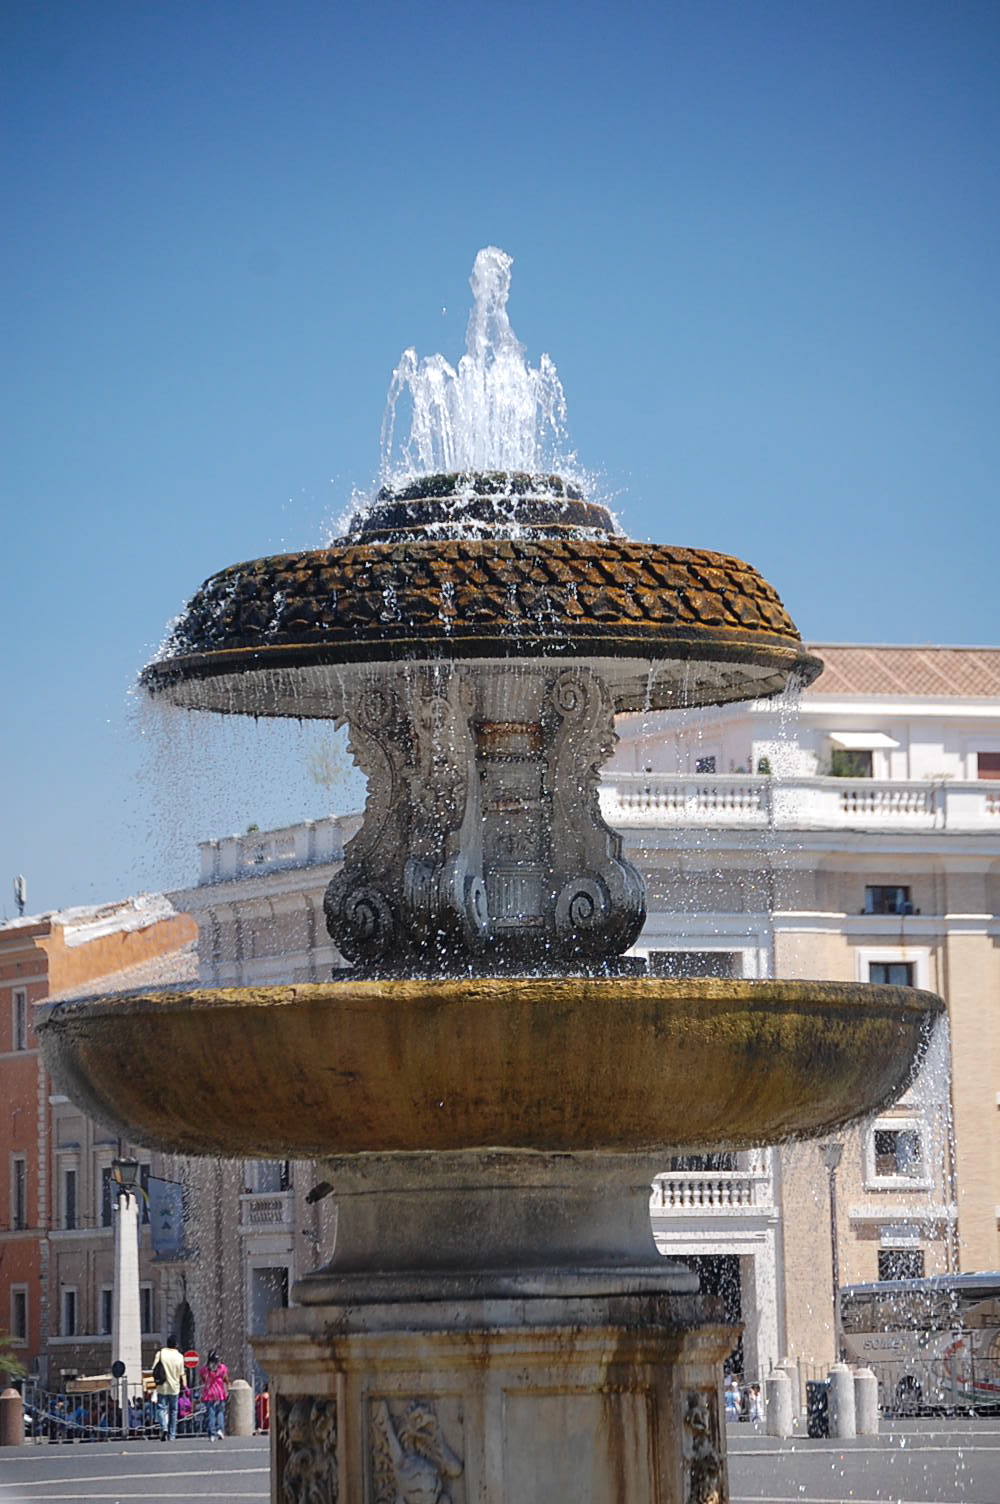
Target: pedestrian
x=756 y=1405
x=732 y=1398
x=213 y=1377
x=168 y=1371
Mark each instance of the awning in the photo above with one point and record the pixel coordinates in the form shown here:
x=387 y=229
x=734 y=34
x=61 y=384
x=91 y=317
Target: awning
x=861 y=741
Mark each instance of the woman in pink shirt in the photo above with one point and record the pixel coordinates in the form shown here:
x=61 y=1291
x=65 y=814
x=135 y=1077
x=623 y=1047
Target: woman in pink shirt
x=213 y=1378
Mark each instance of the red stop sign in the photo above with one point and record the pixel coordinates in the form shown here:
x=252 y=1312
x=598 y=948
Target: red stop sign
x=191 y=1359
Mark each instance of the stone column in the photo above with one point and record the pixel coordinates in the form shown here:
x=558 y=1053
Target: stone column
x=126 y=1322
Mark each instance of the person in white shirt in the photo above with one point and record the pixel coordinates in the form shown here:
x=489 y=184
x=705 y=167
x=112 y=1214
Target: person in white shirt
x=169 y=1388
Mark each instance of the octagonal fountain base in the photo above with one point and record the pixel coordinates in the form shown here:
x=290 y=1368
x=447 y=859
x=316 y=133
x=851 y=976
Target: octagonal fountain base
x=608 y=1399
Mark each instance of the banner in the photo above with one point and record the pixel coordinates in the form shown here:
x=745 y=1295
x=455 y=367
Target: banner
x=166 y=1217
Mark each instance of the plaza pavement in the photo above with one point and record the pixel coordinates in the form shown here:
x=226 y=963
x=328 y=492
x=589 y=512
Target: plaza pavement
x=912 y=1462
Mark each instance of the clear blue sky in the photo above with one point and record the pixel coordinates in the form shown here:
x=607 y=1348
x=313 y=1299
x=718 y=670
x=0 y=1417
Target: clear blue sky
x=759 y=240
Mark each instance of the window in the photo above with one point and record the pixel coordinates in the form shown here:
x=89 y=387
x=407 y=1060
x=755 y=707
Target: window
x=19 y=1193
x=704 y=765
x=68 y=1325
x=898 y=1153
x=107 y=1309
x=702 y=1163
x=19 y=1019
x=988 y=764
x=847 y=762
x=694 y=963
x=107 y=1196
x=901 y=1263
x=893 y=973
x=69 y=1216
x=268 y=1176
x=887 y=900
x=19 y=1313
x=146 y=1322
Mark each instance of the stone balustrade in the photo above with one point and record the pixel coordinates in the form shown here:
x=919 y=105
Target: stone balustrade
x=798 y=803
x=257 y=852
x=711 y=1191
x=266 y=1211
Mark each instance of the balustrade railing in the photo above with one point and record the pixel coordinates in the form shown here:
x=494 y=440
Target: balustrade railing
x=797 y=803
x=265 y=1211
x=712 y=1191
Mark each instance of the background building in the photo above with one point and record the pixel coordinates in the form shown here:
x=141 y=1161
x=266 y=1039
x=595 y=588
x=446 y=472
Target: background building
x=855 y=836
x=56 y=1217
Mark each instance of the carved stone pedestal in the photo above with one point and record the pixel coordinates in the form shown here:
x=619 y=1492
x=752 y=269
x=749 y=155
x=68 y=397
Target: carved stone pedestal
x=496 y=1328
x=603 y=1400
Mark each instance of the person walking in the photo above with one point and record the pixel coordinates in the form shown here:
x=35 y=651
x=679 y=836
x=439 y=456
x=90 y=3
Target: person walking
x=213 y=1379
x=168 y=1371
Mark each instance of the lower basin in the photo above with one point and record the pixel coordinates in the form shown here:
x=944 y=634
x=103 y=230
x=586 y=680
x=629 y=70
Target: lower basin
x=565 y=1065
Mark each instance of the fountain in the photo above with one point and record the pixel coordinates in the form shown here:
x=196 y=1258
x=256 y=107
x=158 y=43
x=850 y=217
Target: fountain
x=491 y=1083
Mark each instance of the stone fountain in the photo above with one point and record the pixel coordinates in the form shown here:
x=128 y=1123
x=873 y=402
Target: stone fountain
x=491 y=1083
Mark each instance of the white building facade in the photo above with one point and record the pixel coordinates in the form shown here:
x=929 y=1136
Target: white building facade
x=854 y=837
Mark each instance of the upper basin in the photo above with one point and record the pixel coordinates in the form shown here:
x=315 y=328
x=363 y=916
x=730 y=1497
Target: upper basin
x=578 y=1064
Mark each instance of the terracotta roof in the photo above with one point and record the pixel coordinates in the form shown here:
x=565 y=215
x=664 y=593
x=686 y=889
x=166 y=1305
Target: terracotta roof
x=967 y=673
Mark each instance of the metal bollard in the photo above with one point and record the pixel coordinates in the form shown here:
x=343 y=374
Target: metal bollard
x=841 y=1386
x=777 y=1404
x=240 y=1408
x=11 y=1419
x=866 y=1402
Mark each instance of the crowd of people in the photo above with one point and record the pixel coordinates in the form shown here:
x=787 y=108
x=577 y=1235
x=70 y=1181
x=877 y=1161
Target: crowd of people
x=168 y=1401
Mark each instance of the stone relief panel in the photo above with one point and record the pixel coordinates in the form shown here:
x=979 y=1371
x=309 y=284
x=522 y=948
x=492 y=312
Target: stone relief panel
x=412 y=1461
x=703 y=1467
x=307 y=1450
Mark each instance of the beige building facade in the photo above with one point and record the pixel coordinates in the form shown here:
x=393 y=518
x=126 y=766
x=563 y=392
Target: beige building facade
x=855 y=836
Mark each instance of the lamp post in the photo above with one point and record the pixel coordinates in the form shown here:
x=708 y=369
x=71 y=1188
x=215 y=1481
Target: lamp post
x=126 y=1323
x=831 y=1153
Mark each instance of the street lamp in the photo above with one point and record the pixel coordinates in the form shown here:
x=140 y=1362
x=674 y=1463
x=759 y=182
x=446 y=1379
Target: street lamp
x=126 y=1324
x=831 y=1154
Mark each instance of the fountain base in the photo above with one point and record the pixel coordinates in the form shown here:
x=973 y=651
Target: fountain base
x=597 y=1399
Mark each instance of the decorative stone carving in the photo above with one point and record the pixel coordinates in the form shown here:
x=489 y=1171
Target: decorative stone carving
x=444 y=896
x=411 y=893
x=361 y=903
x=601 y=900
x=307 y=1450
x=703 y=1467
x=483 y=847
x=411 y=1461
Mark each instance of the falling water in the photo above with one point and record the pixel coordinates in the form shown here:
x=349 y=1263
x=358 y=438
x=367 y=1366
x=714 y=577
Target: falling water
x=494 y=412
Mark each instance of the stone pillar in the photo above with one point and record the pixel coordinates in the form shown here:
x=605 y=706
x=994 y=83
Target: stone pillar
x=239 y=1409
x=126 y=1320
x=790 y=1369
x=841 y=1402
x=758 y=1280
x=11 y=1418
x=778 y=1404
x=866 y=1402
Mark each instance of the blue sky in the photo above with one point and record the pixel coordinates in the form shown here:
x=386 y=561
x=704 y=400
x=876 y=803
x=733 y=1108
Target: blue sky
x=759 y=240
